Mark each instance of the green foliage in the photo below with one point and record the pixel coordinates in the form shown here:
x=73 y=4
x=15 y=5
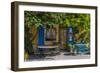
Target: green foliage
x=51 y=18
x=44 y=18
x=77 y=20
x=28 y=41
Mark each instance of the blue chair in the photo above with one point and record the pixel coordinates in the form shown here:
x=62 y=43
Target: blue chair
x=81 y=48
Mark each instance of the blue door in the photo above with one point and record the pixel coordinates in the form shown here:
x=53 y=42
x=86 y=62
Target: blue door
x=41 y=36
x=41 y=41
x=70 y=35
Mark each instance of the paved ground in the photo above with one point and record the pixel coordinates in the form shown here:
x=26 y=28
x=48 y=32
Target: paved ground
x=61 y=56
x=68 y=57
